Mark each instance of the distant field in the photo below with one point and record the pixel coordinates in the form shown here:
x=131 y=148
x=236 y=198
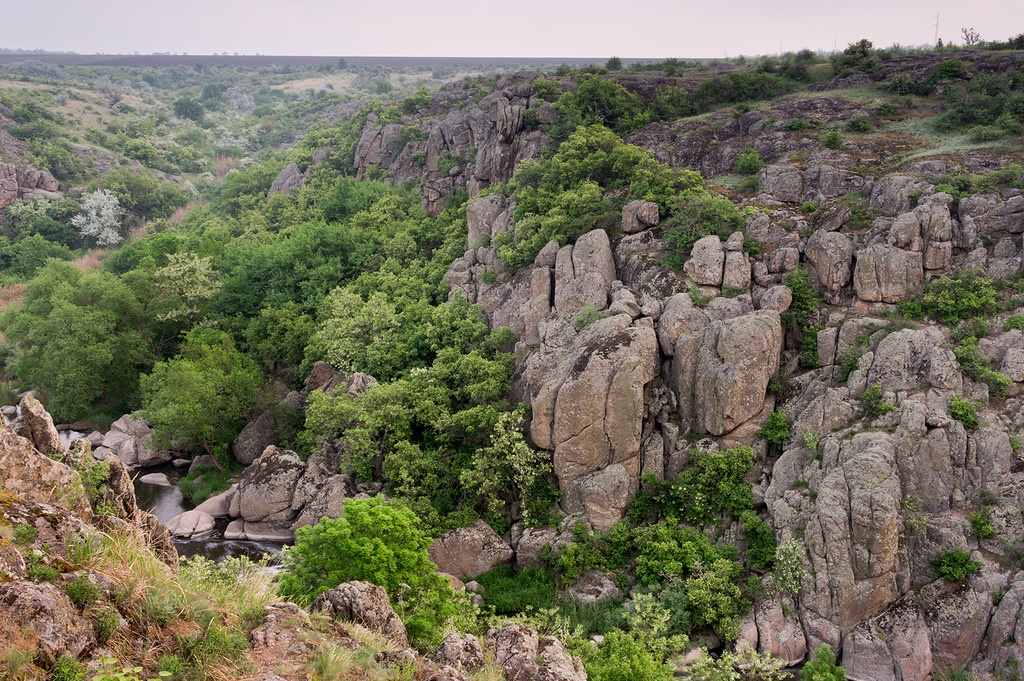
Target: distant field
x=266 y=60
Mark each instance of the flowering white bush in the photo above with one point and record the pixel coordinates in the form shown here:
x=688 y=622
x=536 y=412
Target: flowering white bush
x=100 y=218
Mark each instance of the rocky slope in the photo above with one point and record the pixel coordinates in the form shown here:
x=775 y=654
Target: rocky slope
x=875 y=499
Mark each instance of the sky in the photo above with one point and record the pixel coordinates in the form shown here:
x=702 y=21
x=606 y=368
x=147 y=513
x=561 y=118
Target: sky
x=485 y=28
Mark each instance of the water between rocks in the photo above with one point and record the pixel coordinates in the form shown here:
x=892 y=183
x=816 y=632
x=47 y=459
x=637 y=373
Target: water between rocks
x=166 y=502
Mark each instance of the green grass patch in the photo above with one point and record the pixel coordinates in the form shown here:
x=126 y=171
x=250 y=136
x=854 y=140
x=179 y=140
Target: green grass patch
x=509 y=591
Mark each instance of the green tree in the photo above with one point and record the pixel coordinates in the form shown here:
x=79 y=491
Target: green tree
x=188 y=107
x=372 y=541
x=203 y=396
x=79 y=339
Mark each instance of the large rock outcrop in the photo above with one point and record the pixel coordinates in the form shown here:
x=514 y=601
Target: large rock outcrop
x=25 y=183
x=470 y=551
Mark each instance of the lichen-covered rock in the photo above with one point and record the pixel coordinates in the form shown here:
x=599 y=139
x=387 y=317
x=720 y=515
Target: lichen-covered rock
x=37 y=426
x=462 y=651
x=854 y=537
x=602 y=496
x=891 y=195
x=706 y=263
x=43 y=609
x=288 y=180
x=470 y=551
x=525 y=656
x=364 y=604
x=639 y=215
x=266 y=488
x=131 y=438
x=260 y=433
x=778 y=631
x=720 y=373
x=830 y=260
x=594 y=587
x=39 y=478
x=888 y=274
x=191 y=524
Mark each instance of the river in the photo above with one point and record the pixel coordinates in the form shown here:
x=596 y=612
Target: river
x=166 y=502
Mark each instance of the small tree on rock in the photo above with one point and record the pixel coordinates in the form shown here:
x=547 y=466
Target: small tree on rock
x=100 y=219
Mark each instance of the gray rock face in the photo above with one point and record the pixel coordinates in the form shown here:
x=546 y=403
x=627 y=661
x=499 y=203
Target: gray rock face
x=778 y=631
x=720 y=373
x=602 y=496
x=462 y=651
x=39 y=478
x=706 y=263
x=594 y=587
x=470 y=551
x=25 y=183
x=992 y=214
x=854 y=537
x=891 y=194
x=895 y=645
x=1004 y=638
x=43 y=609
x=191 y=524
x=888 y=274
x=266 y=488
x=131 y=439
x=258 y=434
x=37 y=426
x=639 y=215
x=783 y=183
x=525 y=656
x=288 y=180
x=364 y=604
x=830 y=259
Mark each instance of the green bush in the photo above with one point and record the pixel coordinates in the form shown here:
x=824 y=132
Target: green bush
x=749 y=161
x=83 y=591
x=624 y=658
x=873 y=404
x=822 y=667
x=981 y=523
x=832 y=139
x=976 y=366
x=67 y=668
x=860 y=123
x=964 y=411
x=1014 y=321
x=713 y=484
x=509 y=591
x=376 y=542
x=958 y=296
x=776 y=430
x=957 y=566
x=695 y=214
x=760 y=540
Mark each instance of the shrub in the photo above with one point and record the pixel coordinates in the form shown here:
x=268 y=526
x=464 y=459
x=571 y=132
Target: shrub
x=957 y=566
x=584 y=319
x=958 y=296
x=624 y=658
x=822 y=667
x=82 y=591
x=873 y=404
x=374 y=542
x=859 y=123
x=1014 y=321
x=697 y=213
x=760 y=539
x=105 y=623
x=832 y=139
x=981 y=523
x=776 y=430
x=749 y=161
x=975 y=366
x=512 y=591
x=67 y=668
x=964 y=411
x=713 y=484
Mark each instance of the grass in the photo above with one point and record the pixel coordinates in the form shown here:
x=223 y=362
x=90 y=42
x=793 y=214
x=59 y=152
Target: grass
x=935 y=142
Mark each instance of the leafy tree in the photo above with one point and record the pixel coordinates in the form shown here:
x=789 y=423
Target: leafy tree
x=79 y=339
x=190 y=108
x=189 y=282
x=202 y=397
x=100 y=219
x=510 y=468
x=376 y=542
x=624 y=658
x=613 y=64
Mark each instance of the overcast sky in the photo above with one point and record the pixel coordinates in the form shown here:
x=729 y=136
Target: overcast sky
x=484 y=28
